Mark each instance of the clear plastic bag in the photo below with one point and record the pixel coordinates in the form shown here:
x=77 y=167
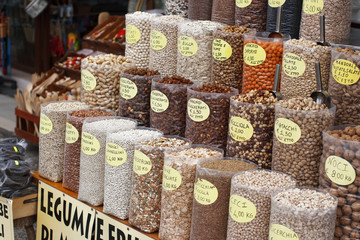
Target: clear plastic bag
x=251 y=14
x=223 y=11
x=176 y=7
x=200 y=9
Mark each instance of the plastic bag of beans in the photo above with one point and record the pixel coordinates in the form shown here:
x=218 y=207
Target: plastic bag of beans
x=168 y=101
x=297 y=144
x=251 y=126
x=298 y=77
x=147 y=175
x=92 y=156
x=208 y=114
x=163 y=43
x=261 y=54
x=178 y=187
x=227 y=60
x=52 y=137
x=292 y=14
x=340 y=175
x=200 y=9
x=135 y=89
x=211 y=196
x=251 y=14
x=194 y=59
x=74 y=123
x=344 y=84
x=223 y=11
x=176 y=7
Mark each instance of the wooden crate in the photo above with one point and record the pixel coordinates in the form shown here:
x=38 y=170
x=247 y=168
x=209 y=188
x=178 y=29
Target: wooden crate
x=26 y=125
x=25 y=206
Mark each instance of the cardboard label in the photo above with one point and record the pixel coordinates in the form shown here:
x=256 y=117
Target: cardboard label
x=345 y=72
x=198 y=110
x=187 y=46
x=142 y=163
x=205 y=192
x=6 y=219
x=128 y=89
x=243 y=3
x=46 y=124
x=158 y=40
x=241 y=210
x=254 y=54
x=313 y=6
x=280 y=232
x=72 y=134
x=293 y=65
x=88 y=80
x=240 y=129
x=115 y=155
x=158 y=101
x=286 y=131
x=89 y=144
x=339 y=171
x=221 y=50
x=132 y=34
x=171 y=179
x=276 y=3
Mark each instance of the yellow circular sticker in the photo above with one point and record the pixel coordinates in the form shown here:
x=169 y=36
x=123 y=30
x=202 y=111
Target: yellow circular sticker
x=286 y=131
x=345 y=72
x=171 y=179
x=158 y=101
x=221 y=50
x=88 y=80
x=243 y=3
x=241 y=210
x=205 y=192
x=339 y=170
x=115 y=155
x=197 y=110
x=313 y=6
x=293 y=65
x=89 y=144
x=142 y=163
x=128 y=89
x=240 y=129
x=72 y=134
x=132 y=34
x=276 y=3
x=158 y=40
x=187 y=46
x=46 y=124
x=280 y=232
x=254 y=54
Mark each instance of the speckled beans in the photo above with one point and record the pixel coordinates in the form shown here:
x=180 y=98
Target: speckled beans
x=211 y=197
x=228 y=46
x=302 y=213
x=223 y=11
x=251 y=14
x=145 y=202
x=250 y=202
x=340 y=176
x=207 y=115
x=261 y=54
x=194 y=59
x=298 y=77
x=176 y=7
x=163 y=42
x=200 y=9
x=337 y=22
x=120 y=148
x=344 y=84
x=297 y=145
x=52 y=137
x=138 y=28
x=178 y=188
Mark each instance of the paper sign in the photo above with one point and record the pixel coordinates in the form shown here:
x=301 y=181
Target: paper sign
x=88 y=80
x=293 y=65
x=187 y=46
x=254 y=54
x=72 y=134
x=158 y=40
x=128 y=89
x=241 y=209
x=132 y=34
x=339 y=170
x=280 y=232
x=6 y=219
x=240 y=129
x=171 y=179
x=286 y=131
x=313 y=6
x=221 y=50
x=158 y=101
x=46 y=124
x=345 y=72
x=205 y=192
x=197 y=110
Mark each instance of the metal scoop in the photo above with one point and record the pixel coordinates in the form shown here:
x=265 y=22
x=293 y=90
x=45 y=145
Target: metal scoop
x=320 y=96
x=322 y=32
x=277 y=33
x=276 y=83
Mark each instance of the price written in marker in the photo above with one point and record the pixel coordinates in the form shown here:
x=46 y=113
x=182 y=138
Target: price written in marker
x=198 y=110
x=241 y=209
x=254 y=54
x=89 y=144
x=128 y=89
x=293 y=65
x=339 y=171
x=46 y=124
x=187 y=46
x=240 y=129
x=345 y=72
x=115 y=155
x=286 y=131
x=313 y=6
x=171 y=178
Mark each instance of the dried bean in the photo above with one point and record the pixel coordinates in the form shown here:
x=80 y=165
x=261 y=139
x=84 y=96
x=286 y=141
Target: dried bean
x=176 y=7
x=251 y=14
x=200 y=9
x=223 y=11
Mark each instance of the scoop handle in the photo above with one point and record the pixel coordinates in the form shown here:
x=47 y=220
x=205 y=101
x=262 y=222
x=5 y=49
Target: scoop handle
x=318 y=76
x=322 y=28
x=277 y=77
x=278 y=19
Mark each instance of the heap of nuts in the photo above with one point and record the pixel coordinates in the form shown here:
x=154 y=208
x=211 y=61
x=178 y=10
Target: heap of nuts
x=251 y=126
x=251 y=14
x=176 y=7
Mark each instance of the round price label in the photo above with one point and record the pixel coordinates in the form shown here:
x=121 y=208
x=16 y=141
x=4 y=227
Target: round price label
x=280 y=232
x=241 y=210
x=187 y=46
x=243 y=3
x=171 y=179
x=293 y=65
x=345 y=72
x=46 y=124
x=89 y=144
x=205 y=192
x=132 y=34
x=339 y=171
x=142 y=163
x=88 y=80
x=313 y=6
x=197 y=110
x=240 y=129
x=221 y=50
x=254 y=54
x=72 y=134
x=115 y=155
x=158 y=101
x=276 y=3
x=128 y=89
x=286 y=131
x=158 y=40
